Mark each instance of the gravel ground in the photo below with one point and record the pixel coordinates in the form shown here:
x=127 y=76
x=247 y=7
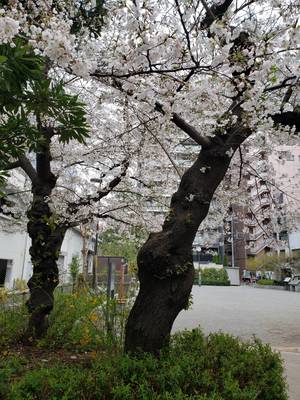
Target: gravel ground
x=271 y=315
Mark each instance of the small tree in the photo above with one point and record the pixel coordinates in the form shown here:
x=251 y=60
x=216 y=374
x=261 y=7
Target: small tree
x=125 y=244
x=74 y=270
x=37 y=113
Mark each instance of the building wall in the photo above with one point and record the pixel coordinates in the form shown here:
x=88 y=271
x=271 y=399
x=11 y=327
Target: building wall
x=274 y=203
x=14 y=247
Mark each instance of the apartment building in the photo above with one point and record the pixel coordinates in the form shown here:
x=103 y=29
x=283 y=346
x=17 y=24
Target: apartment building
x=270 y=221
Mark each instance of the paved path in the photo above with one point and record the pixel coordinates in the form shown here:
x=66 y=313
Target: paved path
x=271 y=315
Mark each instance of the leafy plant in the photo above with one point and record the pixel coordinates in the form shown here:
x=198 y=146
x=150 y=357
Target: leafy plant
x=85 y=321
x=124 y=245
x=269 y=282
x=3 y=295
x=13 y=321
x=20 y=285
x=213 y=276
x=74 y=269
x=216 y=367
x=27 y=99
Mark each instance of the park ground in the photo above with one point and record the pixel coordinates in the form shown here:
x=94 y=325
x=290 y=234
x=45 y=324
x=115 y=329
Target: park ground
x=271 y=315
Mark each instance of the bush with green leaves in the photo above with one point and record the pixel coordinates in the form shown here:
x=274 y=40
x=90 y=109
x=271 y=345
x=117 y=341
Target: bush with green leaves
x=213 y=276
x=127 y=245
x=84 y=320
x=13 y=321
x=269 y=282
x=80 y=321
x=74 y=269
x=217 y=367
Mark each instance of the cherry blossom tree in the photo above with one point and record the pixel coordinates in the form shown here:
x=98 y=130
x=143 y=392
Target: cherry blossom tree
x=221 y=72
x=41 y=123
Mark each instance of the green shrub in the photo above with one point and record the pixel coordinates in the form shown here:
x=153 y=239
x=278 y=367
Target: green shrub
x=196 y=277
x=74 y=270
x=85 y=321
x=270 y=282
x=213 y=276
x=80 y=320
x=13 y=322
x=217 y=367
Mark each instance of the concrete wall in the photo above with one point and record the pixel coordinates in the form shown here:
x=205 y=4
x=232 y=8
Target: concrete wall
x=207 y=265
x=294 y=239
x=233 y=275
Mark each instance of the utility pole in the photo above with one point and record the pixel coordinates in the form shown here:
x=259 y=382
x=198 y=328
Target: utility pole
x=95 y=260
x=232 y=241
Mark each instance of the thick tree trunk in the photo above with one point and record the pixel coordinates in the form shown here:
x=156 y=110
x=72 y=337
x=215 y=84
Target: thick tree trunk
x=165 y=265
x=46 y=235
x=46 y=238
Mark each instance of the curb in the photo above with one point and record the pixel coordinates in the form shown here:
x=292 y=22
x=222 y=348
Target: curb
x=287 y=349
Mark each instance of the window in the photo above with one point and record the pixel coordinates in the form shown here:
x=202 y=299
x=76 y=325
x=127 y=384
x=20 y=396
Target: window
x=3 y=270
x=283 y=235
x=286 y=155
x=280 y=198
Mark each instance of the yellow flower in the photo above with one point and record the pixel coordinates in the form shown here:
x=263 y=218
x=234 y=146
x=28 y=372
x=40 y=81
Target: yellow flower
x=93 y=317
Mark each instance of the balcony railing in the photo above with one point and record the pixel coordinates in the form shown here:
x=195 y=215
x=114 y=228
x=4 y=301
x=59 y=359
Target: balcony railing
x=260 y=246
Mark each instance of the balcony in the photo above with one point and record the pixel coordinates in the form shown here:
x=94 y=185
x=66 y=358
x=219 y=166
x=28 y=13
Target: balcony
x=250 y=222
x=261 y=190
x=261 y=203
x=265 y=201
x=256 y=235
x=258 y=247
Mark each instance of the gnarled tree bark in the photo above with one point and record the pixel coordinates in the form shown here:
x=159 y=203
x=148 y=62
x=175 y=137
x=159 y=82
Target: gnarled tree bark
x=47 y=238
x=46 y=235
x=165 y=264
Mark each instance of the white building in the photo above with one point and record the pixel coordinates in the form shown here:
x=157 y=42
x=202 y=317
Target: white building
x=15 y=260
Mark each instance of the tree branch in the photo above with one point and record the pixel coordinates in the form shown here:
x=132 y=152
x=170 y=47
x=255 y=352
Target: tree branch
x=12 y=165
x=186 y=32
x=186 y=127
x=241 y=166
x=27 y=167
x=288 y=118
x=150 y=71
x=190 y=130
x=216 y=11
x=74 y=207
x=281 y=85
x=164 y=149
